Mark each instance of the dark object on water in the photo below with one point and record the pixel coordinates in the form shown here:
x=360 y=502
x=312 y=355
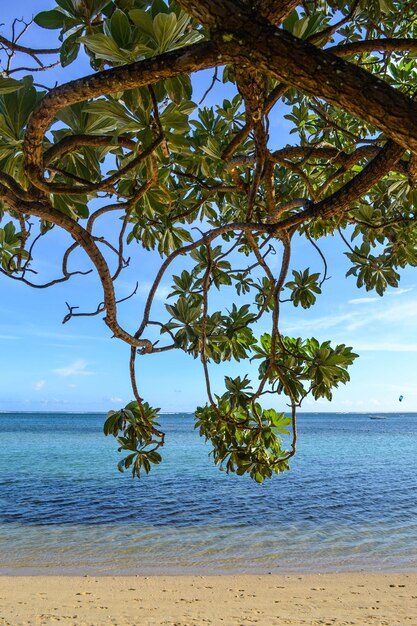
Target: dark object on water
x=376 y=417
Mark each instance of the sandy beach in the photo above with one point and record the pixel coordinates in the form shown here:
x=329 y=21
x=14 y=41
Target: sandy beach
x=243 y=600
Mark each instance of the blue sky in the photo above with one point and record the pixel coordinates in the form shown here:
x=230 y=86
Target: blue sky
x=45 y=365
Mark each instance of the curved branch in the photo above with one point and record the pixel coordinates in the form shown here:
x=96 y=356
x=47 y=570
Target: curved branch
x=183 y=61
x=15 y=47
x=106 y=183
x=87 y=243
x=323 y=258
x=100 y=307
x=14 y=186
x=324 y=153
x=56 y=281
x=357 y=187
x=42 y=68
x=287 y=206
x=374 y=45
x=72 y=142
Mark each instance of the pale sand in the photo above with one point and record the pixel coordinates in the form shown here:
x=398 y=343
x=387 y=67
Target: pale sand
x=334 y=599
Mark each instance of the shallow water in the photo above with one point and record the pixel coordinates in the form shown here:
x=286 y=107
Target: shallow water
x=348 y=503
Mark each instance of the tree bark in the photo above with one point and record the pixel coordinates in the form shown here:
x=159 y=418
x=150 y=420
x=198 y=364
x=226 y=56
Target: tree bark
x=246 y=37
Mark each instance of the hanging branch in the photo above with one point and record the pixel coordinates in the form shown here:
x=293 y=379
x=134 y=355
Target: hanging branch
x=201 y=191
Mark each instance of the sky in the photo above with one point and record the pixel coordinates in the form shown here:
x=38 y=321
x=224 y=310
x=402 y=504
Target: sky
x=49 y=366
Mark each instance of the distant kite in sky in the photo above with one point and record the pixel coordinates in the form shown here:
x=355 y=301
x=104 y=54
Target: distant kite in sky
x=401 y=398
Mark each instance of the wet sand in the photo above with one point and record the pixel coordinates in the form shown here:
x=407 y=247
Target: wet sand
x=243 y=600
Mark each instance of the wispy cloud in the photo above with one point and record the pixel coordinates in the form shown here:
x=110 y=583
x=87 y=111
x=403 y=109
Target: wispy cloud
x=386 y=347
x=161 y=293
x=362 y=300
x=143 y=289
x=44 y=334
x=40 y=384
x=327 y=321
x=396 y=313
x=398 y=292
x=9 y=337
x=391 y=292
x=77 y=368
x=357 y=318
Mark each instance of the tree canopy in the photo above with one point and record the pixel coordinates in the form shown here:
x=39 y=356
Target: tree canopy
x=204 y=186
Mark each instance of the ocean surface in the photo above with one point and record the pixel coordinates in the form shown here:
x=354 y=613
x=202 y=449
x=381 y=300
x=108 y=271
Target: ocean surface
x=348 y=503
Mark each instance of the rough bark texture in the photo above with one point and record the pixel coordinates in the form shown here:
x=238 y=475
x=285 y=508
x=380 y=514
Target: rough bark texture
x=246 y=37
x=193 y=58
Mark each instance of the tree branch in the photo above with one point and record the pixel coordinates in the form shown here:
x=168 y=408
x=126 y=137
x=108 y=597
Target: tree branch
x=149 y=71
x=245 y=37
x=87 y=243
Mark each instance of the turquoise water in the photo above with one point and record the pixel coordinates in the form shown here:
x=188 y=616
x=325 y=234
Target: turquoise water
x=348 y=503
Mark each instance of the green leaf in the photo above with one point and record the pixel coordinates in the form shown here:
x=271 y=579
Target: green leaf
x=67 y=5
x=70 y=48
x=164 y=28
x=16 y=107
x=105 y=48
x=120 y=29
x=50 y=19
x=143 y=20
x=8 y=85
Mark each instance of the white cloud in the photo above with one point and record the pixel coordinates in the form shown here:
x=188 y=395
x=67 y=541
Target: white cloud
x=46 y=334
x=115 y=399
x=161 y=293
x=9 y=337
x=362 y=300
x=385 y=346
x=391 y=292
x=143 y=289
x=376 y=402
x=77 y=368
x=396 y=313
x=399 y=312
x=40 y=384
x=327 y=321
x=393 y=314
x=398 y=292
x=350 y=404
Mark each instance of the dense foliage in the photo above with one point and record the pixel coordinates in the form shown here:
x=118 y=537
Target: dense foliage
x=204 y=186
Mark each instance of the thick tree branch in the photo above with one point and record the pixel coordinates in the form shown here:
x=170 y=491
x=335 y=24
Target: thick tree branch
x=72 y=142
x=374 y=45
x=149 y=71
x=355 y=189
x=244 y=36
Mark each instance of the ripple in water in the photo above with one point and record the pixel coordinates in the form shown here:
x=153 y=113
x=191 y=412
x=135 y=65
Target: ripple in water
x=64 y=508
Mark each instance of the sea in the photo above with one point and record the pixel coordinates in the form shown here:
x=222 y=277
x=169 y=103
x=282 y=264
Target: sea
x=349 y=502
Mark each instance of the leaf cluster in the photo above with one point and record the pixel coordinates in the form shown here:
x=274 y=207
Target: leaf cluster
x=246 y=438
x=204 y=186
x=133 y=428
x=10 y=248
x=297 y=367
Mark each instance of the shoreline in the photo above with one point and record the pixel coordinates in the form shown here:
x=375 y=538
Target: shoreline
x=196 y=572
x=354 y=598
